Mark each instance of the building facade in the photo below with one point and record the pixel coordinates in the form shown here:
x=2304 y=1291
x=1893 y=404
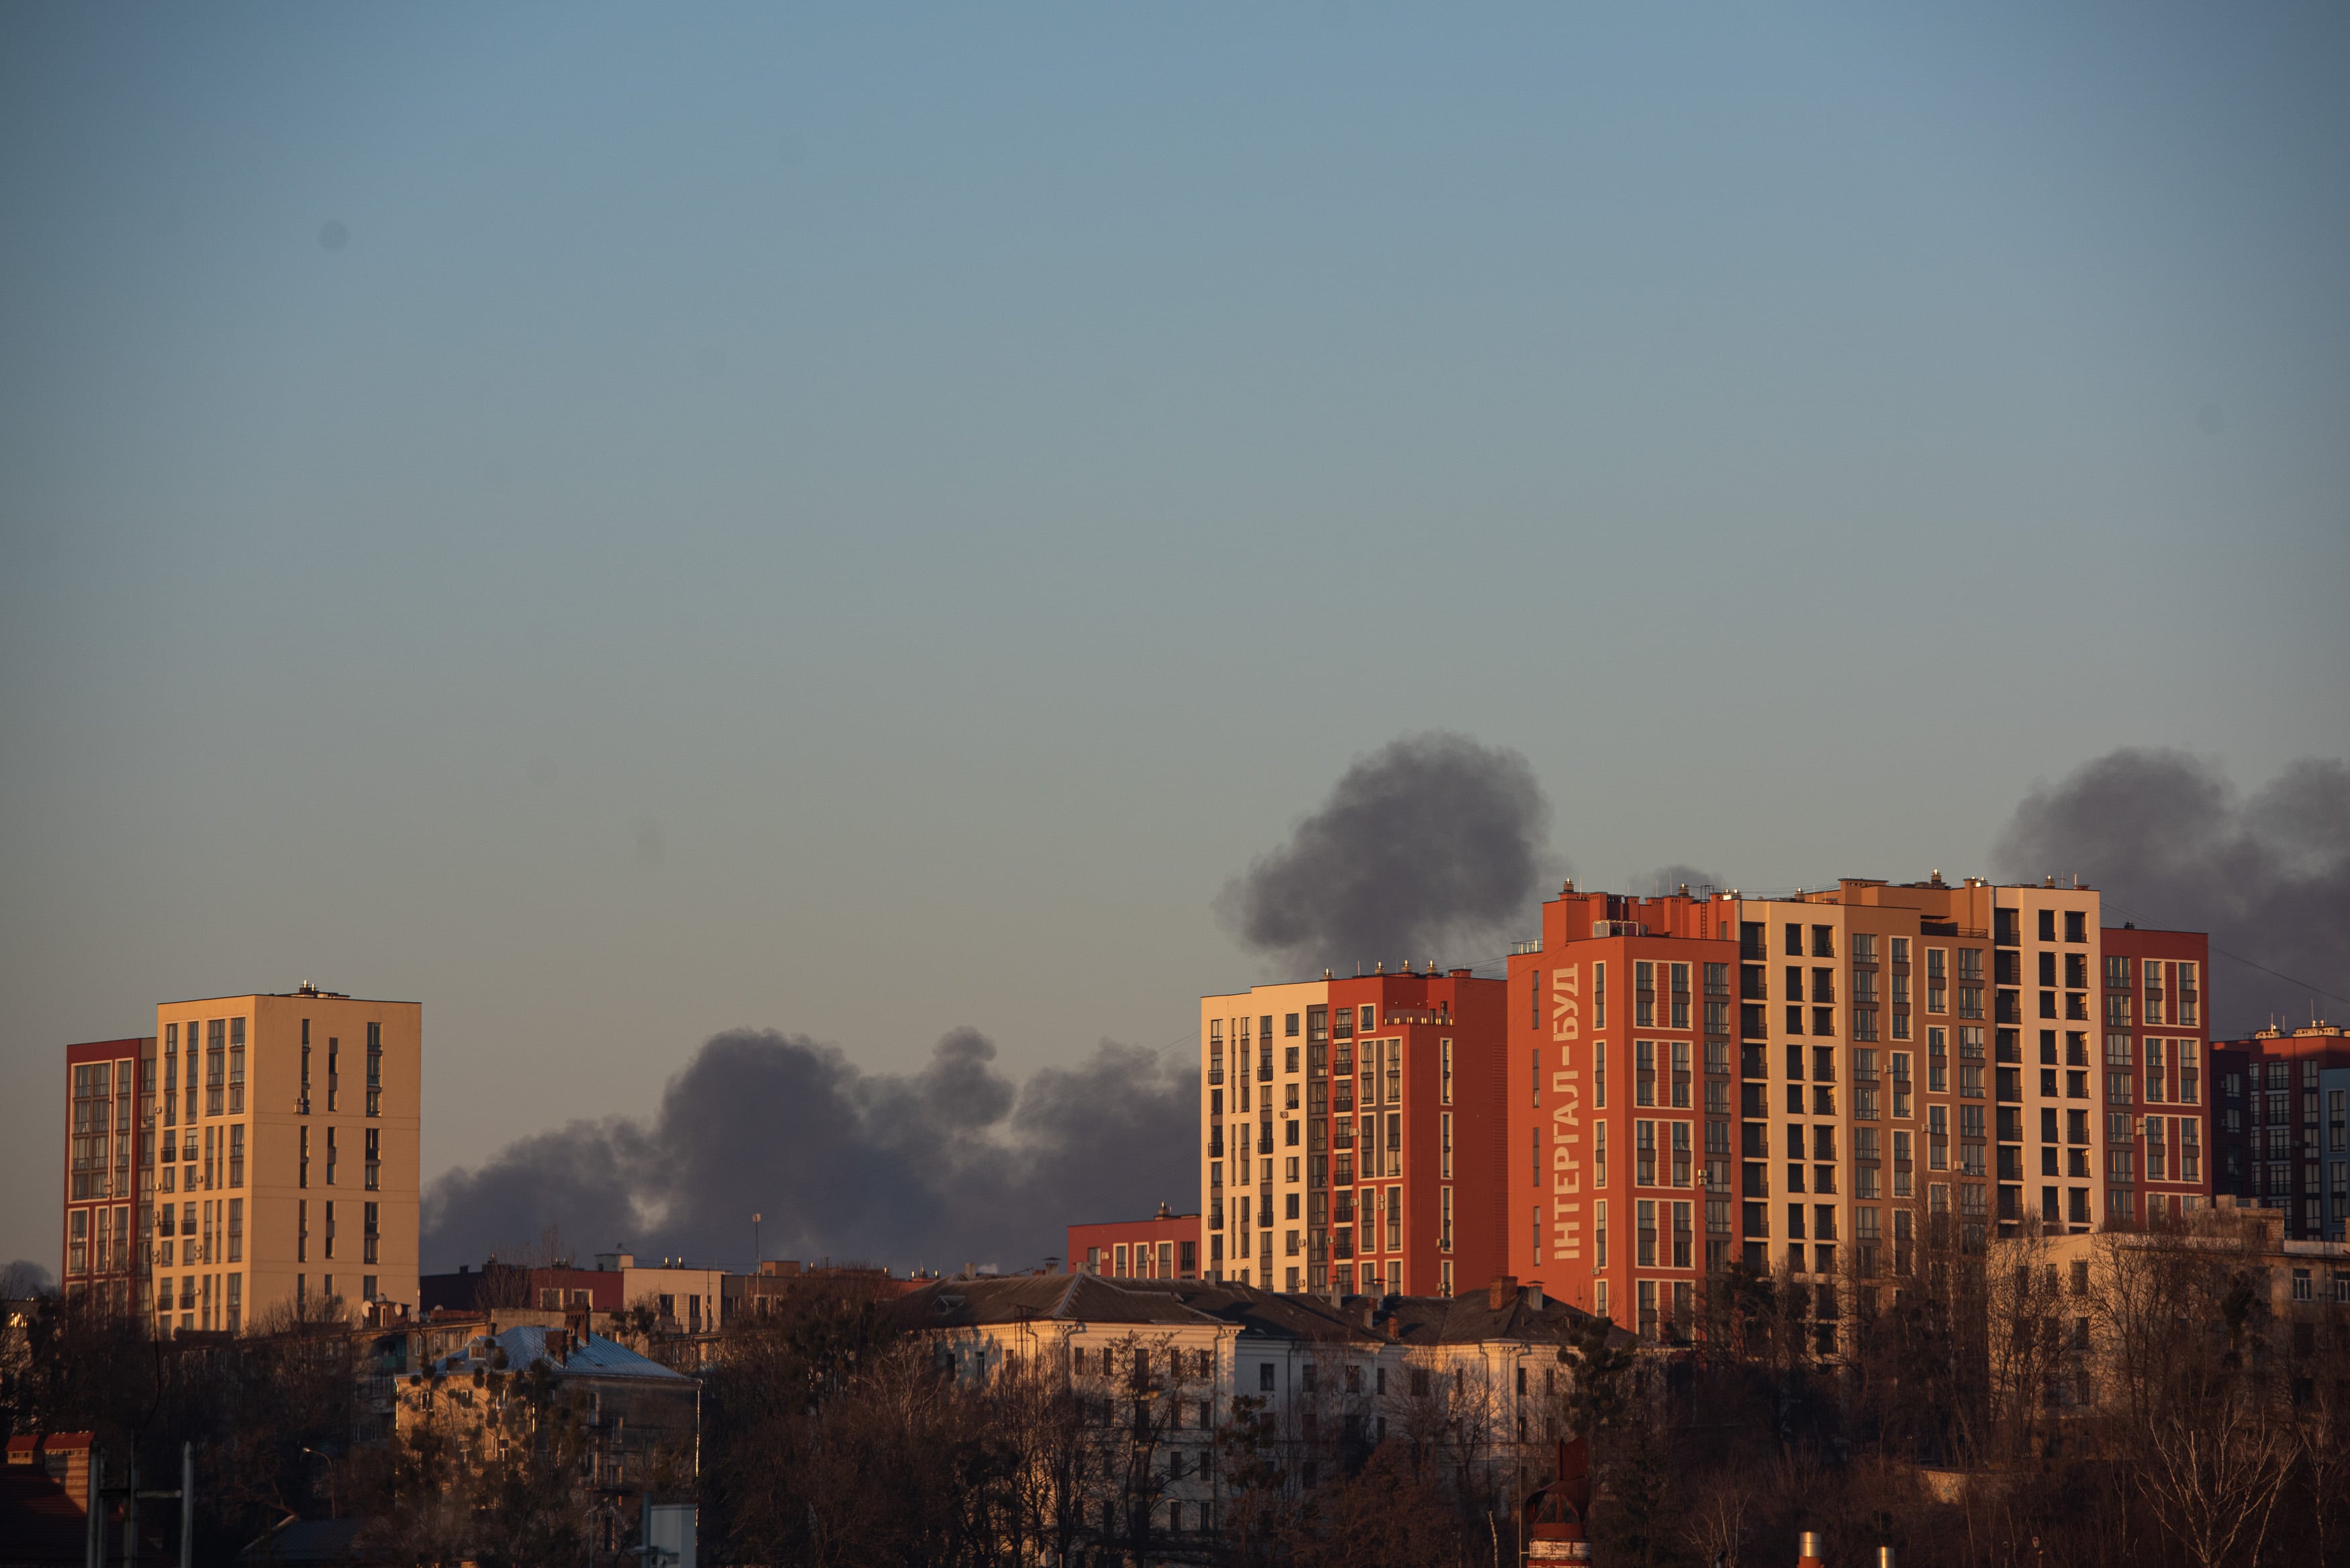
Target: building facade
x=109 y=1092
x=2283 y=1130
x=284 y=1170
x=1800 y=1084
x=2157 y=1068
x=1359 y=1124
x=1164 y=1247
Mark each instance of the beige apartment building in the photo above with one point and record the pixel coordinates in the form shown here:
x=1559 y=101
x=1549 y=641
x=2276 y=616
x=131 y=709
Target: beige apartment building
x=1260 y=1033
x=279 y=1156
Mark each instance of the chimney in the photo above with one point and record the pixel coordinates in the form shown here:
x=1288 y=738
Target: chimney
x=1395 y=1326
x=1534 y=1295
x=1501 y=1292
x=1808 y=1556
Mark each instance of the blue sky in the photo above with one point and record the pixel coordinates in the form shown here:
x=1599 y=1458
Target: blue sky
x=860 y=520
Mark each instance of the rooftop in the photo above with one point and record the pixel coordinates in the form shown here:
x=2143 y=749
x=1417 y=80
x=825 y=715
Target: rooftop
x=576 y=1355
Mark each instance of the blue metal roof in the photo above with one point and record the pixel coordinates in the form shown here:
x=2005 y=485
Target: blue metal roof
x=526 y=1346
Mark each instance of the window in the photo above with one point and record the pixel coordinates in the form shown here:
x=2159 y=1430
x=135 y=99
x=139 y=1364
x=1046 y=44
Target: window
x=302 y=1231
x=236 y=1155
x=1646 y=1250
x=1598 y=1153
x=236 y=1067
x=367 y=1236
x=1444 y=1080
x=1644 y=1072
x=1599 y=996
x=375 y=1159
x=215 y=1065
x=1644 y=995
x=1794 y=941
x=1644 y=1154
x=334 y=1072
x=375 y=1069
x=236 y=1230
x=329 y=1234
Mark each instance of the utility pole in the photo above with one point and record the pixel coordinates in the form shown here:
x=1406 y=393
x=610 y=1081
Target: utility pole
x=185 y=1496
x=94 y=1546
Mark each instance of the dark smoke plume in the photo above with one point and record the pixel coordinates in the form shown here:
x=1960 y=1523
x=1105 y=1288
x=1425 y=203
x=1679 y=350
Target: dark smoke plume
x=952 y=1164
x=1430 y=848
x=2172 y=844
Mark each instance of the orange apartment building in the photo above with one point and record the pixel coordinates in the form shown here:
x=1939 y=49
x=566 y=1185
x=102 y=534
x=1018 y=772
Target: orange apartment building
x=1360 y=1123
x=262 y=1152
x=1802 y=1083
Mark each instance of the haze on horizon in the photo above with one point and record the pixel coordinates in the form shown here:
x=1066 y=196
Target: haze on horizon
x=861 y=524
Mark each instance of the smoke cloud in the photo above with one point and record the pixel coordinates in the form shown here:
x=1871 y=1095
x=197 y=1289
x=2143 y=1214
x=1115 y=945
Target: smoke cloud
x=1425 y=848
x=2172 y=844
x=954 y=1164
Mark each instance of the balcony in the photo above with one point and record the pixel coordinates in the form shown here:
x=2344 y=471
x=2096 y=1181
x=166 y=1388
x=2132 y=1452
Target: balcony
x=1215 y=1072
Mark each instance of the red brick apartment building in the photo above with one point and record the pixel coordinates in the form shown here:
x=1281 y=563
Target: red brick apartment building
x=1352 y=1133
x=1801 y=1082
x=2158 y=1067
x=109 y=1104
x=2282 y=1102
x=1164 y=1247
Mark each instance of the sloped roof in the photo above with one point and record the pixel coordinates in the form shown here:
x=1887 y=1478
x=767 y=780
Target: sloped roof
x=1264 y=1314
x=593 y=1356
x=1469 y=1318
x=1038 y=1298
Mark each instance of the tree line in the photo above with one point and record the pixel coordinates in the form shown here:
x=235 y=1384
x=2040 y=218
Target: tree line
x=2157 y=1397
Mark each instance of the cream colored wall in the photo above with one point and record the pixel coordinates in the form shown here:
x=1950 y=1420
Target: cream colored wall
x=1226 y=1010
x=273 y=1115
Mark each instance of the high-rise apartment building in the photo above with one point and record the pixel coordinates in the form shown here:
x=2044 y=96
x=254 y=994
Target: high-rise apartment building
x=2157 y=1072
x=2283 y=1136
x=109 y=1085
x=1352 y=1133
x=279 y=1156
x=1800 y=1084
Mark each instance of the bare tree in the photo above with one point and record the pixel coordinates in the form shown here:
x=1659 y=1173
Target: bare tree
x=2214 y=1478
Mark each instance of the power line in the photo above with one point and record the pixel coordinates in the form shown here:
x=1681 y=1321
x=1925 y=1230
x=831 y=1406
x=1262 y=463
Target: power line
x=2247 y=963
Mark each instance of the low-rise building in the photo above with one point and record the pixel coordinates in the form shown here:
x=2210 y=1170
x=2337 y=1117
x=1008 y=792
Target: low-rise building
x=636 y=1421
x=1223 y=1388
x=1164 y=1247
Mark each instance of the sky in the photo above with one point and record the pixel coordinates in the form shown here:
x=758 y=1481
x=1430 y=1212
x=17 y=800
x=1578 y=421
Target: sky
x=860 y=522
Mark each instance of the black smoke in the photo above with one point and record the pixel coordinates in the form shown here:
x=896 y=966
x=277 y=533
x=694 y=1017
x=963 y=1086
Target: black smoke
x=952 y=1164
x=1430 y=848
x=2172 y=844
